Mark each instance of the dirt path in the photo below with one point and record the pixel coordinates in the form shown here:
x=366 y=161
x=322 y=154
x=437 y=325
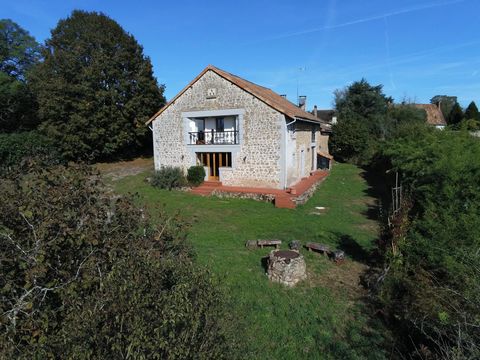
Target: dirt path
x=121 y=169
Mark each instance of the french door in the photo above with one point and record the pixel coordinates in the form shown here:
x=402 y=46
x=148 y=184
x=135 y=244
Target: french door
x=214 y=161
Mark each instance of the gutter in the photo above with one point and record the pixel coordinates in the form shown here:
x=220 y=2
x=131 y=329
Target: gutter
x=310 y=121
x=290 y=123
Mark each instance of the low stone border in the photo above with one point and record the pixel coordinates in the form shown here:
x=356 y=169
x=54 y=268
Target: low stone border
x=240 y=195
x=302 y=199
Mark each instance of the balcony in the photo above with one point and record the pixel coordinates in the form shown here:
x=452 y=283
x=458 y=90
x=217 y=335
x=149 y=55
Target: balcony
x=214 y=137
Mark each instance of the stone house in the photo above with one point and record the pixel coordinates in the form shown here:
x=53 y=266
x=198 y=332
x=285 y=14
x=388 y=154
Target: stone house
x=242 y=133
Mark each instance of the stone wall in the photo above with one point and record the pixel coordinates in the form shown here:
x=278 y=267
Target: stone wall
x=257 y=164
x=322 y=143
x=241 y=195
x=301 y=139
x=304 y=141
x=302 y=199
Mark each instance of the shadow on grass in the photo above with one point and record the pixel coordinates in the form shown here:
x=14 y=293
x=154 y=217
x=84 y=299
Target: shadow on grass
x=372 y=212
x=264 y=262
x=353 y=249
x=379 y=189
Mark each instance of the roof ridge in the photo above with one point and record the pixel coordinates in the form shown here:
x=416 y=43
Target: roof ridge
x=241 y=78
x=264 y=94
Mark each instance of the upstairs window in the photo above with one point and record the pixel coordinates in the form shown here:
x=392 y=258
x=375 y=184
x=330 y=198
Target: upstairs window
x=220 y=124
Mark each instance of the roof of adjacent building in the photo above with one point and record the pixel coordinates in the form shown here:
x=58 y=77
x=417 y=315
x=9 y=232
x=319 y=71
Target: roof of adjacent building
x=325 y=115
x=264 y=94
x=434 y=114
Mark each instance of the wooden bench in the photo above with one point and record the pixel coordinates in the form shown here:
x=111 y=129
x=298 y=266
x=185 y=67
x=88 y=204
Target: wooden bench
x=324 y=249
x=275 y=243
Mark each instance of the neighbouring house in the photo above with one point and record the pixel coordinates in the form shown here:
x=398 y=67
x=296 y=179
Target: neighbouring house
x=242 y=133
x=434 y=115
x=329 y=116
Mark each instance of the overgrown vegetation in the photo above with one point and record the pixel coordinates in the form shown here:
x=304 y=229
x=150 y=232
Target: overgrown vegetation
x=433 y=279
x=196 y=175
x=168 y=177
x=430 y=283
x=88 y=277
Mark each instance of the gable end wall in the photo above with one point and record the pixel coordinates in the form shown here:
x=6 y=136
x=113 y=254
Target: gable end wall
x=257 y=163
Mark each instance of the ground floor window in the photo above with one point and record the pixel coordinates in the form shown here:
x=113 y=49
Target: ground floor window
x=214 y=161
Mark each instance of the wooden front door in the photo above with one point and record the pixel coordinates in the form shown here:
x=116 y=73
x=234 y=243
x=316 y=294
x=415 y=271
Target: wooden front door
x=214 y=161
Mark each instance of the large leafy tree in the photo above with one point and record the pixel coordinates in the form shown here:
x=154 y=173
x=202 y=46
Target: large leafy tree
x=362 y=118
x=18 y=49
x=446 y=103
x=95 y=88
x=18 y=53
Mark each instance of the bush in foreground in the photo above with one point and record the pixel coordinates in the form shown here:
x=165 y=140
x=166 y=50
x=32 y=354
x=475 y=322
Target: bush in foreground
x=196 y=175
x=169 y=177
x=84 y=276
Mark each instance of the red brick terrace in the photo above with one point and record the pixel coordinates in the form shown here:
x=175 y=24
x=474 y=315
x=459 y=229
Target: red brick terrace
x=283 y=198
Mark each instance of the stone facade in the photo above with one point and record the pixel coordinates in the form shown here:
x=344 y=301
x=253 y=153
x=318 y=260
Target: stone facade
x=267 y=154
x=256 y=160
x=302 y=151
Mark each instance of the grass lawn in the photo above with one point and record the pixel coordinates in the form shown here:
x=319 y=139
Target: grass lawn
x=323 y=317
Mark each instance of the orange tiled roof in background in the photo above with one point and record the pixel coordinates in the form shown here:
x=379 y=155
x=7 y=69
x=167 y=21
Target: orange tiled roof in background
x=434 y=114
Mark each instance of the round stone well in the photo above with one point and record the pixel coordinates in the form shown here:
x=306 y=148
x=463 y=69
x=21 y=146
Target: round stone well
x=286 y=267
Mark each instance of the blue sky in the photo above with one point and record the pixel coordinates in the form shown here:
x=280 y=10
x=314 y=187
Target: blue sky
x=415 y=48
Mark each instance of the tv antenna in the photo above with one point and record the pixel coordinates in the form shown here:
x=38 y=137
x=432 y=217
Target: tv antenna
x=300 y=69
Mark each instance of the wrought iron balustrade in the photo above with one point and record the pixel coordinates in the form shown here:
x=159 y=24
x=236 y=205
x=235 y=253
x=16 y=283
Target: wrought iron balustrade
x=213 y=137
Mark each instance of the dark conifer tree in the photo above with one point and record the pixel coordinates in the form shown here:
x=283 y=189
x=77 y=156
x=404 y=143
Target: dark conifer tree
x=472 y=112
x=456 y=115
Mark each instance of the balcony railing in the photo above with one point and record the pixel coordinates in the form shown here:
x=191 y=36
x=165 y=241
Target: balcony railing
x=214 y=137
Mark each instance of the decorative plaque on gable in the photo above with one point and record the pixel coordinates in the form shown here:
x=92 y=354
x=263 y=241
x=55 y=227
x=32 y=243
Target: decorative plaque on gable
x=211 y=93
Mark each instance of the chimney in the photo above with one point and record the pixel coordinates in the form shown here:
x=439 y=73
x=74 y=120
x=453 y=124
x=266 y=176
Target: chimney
x=302 y=102
x=315 y=110
x=284 y=96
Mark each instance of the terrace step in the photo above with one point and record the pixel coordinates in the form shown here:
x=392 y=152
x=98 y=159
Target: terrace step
x=206 y=188
x=211 y=183
x=284 y=202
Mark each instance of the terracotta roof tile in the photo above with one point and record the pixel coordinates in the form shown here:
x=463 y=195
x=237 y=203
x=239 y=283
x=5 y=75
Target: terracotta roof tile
x=434 y=114
x=264 y=94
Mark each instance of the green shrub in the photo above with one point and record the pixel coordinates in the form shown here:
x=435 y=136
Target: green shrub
x=16 y=147
x=89 y=277
x=196 y=175
x=169 y=177
x=433 y=282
